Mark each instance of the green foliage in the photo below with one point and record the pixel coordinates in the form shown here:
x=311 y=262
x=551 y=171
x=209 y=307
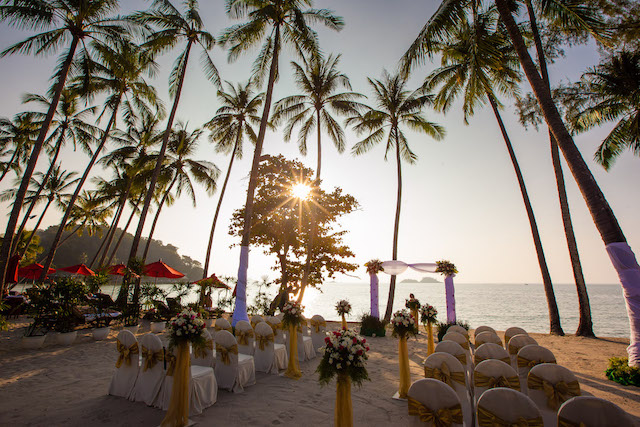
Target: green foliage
x=443 y=327
x=40 y=306
x=68 y=292
x=620 y=372
x=95 y=283
x=404 y=325
x=372 y=326
x=262 y=302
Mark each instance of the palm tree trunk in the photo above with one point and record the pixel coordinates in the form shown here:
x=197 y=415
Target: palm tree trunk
x=155 y=218
x=205 y=270
x=75 y=230
x=240 y=311
x=585 y=325
x=396 y=226
x=554 y=316
x=112 y=232
x=9 y=163
x=7 y=242
x=72 y=201
x=35 y=228
x=124 y=231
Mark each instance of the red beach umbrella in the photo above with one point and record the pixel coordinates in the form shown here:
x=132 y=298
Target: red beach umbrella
x=33 y=271
x=212 y=281
x=117 y=270
x=12 y=269
x=160 y=269
x=78 y=269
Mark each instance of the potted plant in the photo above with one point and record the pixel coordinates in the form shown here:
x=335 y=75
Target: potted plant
x=156 y=323
x=130 y=317
x=41 y=309
x=102 y=320
x=68 y=292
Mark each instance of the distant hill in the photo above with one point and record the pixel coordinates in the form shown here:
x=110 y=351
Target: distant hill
x=409 y=281
x=429 y=280
x=80 y=249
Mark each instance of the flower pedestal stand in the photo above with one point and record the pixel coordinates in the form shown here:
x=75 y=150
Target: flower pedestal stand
x=293 y=369
x=343 y=414
x=178 y=411
x=405 y=374
x=430 y=344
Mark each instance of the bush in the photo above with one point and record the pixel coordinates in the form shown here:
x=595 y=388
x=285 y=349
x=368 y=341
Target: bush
x=372 y=326
x=620 y=372
x=443 y=327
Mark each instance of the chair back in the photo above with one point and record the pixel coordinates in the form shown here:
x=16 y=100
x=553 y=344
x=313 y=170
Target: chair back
x=504 y=407
x=255 y=320
x=515 y=344
x=222 y=325
x=550 y=385
x=446 y=368
x=151 y=373
x=457 y=337
x=127 y=365
x=487 y=336
x=493 y=373
x=204 y=356
x=226 y=359
x=512 y=332
x=245 y=337
x=459 y=329
x=430 y=401
x=593 y=412
x=483 y=328
x=318 y=327
x=490 y=351
x=276 y=324
x=264 y=357
x=530 y=356
x=303 y=327
x=454 y=349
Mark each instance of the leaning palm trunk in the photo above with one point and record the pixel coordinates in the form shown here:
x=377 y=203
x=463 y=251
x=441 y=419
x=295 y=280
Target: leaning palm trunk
x=554 y=316
x=9 y=164
x=114 y=226
x=621 y=255
x=74 y=197
x=240 y=311
x=7 y=242
x=35 y=227
x=124 y=230
x=396 y=226
x=155 y=218
x=585 y=325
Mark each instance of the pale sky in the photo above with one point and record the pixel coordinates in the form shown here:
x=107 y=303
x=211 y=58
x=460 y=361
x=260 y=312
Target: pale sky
x=461 y=200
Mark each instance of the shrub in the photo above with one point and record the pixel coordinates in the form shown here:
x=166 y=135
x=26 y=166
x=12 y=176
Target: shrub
x=620 y=372
x=372 y=326
x=443 y=327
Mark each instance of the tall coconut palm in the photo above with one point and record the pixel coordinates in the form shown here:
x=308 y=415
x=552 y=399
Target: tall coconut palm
x=119 y=72
x=64 y=21
x=478 y=62
x=318 y=80
x=277 y=22
x=622 y=257
x=396 y=107
x=16 y=139
x=173 y=28
x=228 y=128
x=89 y=215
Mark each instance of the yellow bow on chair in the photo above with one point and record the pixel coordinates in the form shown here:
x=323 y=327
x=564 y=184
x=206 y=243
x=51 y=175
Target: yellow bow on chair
x=125 y=353
x=563 y=422
x=317 y=325
x=220 y=328
x=443 y=417
x=526 y=363
x=224 y=352
x=478 y=359
x=243 y=336
x=462 y=358
x=170 y=359
x=200 y=352
x=274 y=326
x=444 y=374
x=151 y=358
x=482 y=380
x=487 y=418
x=264 y=340
x=557 y=393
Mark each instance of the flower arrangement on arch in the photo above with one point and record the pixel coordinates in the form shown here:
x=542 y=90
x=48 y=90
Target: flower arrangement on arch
x=343 y=307
x=428 y=313
x=404 y=325
x=412 y=304
x=187 y=326
x=445 y=267
x=374 y=266
x=292 y=311
x=344 y=353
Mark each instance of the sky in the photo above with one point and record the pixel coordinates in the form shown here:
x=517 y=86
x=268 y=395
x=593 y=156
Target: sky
x=461 y=200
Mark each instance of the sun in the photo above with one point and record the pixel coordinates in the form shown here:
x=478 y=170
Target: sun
x=301 y=191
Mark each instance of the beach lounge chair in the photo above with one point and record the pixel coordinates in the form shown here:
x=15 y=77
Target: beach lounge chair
x=428 y=397
x=204 y=356
x=506 y=407
x=222 y=325
x=593 y=412
x=234 y=370
x=126 y=373
x=203 y=388
x=549 y=386
x=446 y=368
x=268 y=357
x=493 y=373
x=255 y=320
x=318 y=331
x=276 y=325
x=485 y=337
x=481 y=329
x=515 y=344
x=512 y=332
x=530 y=356
x=245 y=337
x=490 y=351
x=151 y=373
x=456 y=350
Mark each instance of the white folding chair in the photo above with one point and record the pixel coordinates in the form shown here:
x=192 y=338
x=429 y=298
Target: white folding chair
x=515 y=344
x=245 y=337
x=485 y=337
x=127 y=365
x=481 y=329
x=428 y=397
x=305 y=344
x=459 y=329
x=276 y=325
x=318 y=331
x=490 y=351
x=456 y=350
x=233 y=370
x=446 y=368
x=549 y=386
x=460 y=339
x=506 y=407
x=266 y=358
x=593 y=412
x=512 y=332
x=151 y=373
x=255 y=320
x=530 y=356
x=205 y=356
x=493 y=373
x=222 y=325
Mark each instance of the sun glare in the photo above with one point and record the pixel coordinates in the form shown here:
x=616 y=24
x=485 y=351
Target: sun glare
x=301 y=191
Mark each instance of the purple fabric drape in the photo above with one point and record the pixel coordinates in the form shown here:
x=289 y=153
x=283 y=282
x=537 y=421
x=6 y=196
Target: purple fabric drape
x=451 y=299
x=374 y=294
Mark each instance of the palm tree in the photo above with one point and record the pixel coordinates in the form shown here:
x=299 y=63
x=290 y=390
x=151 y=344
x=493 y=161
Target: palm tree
x=276 y=22
x=228 y=128
x=183 y=168
x=477 y=60
x=174 y=27
x=89 y=215
x=16 y=138
x=622 y=257
x=120 y=73
x=397 y=107
x=70 y=21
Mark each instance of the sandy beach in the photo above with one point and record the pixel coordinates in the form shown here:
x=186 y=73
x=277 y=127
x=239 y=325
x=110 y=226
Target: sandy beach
x=68 y=386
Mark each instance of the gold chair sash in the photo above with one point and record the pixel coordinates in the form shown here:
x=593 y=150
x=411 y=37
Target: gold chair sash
x=264 y=340
x=220 y=328
x=170 y=358
x=224 y=352
x=462 y=358
x=563 y=422
x=317 y=325
x=125 y=353
x=514 y=349
x=557 y=393
x=478 y=359
x=526 y=363
x=243 y=336
x=487 y=418
x=275 y=326
x=443 y=417
x=151 y=358
x=482 y=380
x=254 y=323
x=200 y=352
x=444 y=374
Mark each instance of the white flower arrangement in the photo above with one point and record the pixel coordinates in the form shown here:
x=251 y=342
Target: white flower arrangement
x=403 y=324
x=343 y=307
x=428 y=313
x=292 y=311
x=186 y=326
x=344 y=352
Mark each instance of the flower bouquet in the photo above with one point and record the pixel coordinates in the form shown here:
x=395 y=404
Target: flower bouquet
x=343 y=307
x=344 y=355
x=292 y=317
x=412 y=304
x=292 y=312
x=428 y=316
x=404 y=325
x=445 y=267
x=186 y=327
x=374 y=266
